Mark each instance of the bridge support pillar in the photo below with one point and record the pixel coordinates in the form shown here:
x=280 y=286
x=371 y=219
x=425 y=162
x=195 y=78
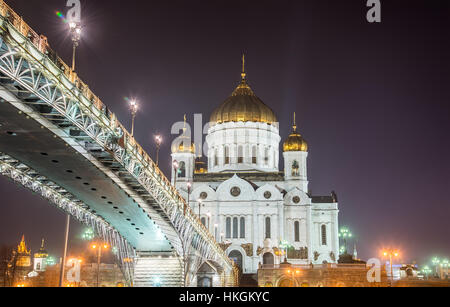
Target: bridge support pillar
x=158 y=270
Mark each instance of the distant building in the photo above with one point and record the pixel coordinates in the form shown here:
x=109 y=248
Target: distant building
x=40 y=259
x=327 y=275
x=22 y=255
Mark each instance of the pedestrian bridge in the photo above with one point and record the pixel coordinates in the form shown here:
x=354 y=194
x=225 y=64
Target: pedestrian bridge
x=60 y=141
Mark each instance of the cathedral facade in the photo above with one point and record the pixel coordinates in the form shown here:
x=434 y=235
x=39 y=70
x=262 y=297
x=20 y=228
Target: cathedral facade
x=259 y=214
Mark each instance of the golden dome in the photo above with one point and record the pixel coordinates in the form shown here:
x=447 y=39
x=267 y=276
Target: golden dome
x=295 y=141
x=243 y=106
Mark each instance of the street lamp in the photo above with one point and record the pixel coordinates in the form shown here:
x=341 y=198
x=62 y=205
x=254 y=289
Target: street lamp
x=436 y=262
x=189 y=186
x=344 y=234
x=175 y=165
x=88 y=235
x=200 y=202
x=99 y=248
x=75 y=32
x=134 y=109
x=158 y=142
x=445 y=265
x=426 y=270
x=391 y=254
x=285 y=244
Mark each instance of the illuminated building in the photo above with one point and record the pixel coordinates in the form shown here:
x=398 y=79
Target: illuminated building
x=23 y=255
x=243 y=198
x=40 y=259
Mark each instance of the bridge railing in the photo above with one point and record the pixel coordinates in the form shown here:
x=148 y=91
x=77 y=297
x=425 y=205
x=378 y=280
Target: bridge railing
x=41 y=43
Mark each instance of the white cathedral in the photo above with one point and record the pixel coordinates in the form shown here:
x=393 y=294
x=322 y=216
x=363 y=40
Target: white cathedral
x=257 y=213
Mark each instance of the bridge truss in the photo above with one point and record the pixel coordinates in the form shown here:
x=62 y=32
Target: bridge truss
x=46 y=89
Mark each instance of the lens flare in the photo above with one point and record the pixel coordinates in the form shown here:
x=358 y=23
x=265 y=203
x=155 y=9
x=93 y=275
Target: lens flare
x=61 y=16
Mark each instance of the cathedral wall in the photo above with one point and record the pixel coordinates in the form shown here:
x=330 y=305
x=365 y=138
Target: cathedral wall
x=243 y=146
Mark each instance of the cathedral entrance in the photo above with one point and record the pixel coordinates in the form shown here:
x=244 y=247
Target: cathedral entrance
x=268 y=259
x=236 y=256
x=286 y=283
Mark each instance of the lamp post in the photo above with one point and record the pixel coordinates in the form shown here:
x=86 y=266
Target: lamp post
x=436 y=262
x=344 y=233
x=134 y=109
x=189 y=186
x=445 y=265
x=285 y=245
x=200 y=201
x=175 y=166
x=426 y=270
x=88 y=235
x=75 y=31
x=158 y=142
x=66 y=243
x=99 y=248
x=391 y=254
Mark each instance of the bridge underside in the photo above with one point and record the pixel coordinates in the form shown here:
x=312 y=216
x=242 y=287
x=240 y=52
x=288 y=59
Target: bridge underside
x=55 y=133
x=28 y=141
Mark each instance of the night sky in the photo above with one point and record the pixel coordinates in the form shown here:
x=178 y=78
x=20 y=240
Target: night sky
x=372 y=100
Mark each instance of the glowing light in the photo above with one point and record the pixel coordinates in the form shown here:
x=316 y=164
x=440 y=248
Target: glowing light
x=61 y=16
x=157 y=281
x=158 y=140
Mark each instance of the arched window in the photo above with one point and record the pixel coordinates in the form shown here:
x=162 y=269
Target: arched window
x=266 y=156
x=228 y=228
x=295 y=169
x=324 y=235
x=242 y=228
x=227 y=155
x=235 y=228
x=268 y=230
x=240 y=155
x=182 y=170
x=203 y=220
x=216 y=157
x=254 y=155
x=297 y=231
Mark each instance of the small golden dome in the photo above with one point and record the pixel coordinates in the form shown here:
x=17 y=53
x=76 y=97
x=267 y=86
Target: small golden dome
x=243 y=106
x=183 y=144
x=295 y=141
x=200 y=166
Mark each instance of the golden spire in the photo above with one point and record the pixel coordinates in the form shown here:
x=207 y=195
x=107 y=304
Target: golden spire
x=184 y=128
x=42 y=244
x=295 y=123
x=22 y=248
x=244 y=75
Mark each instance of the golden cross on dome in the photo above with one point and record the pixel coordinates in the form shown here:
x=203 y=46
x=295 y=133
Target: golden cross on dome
x=295 y=123
x=244 y=75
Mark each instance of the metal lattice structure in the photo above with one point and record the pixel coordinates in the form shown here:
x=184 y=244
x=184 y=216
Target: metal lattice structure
x=37 y=77
x=57 y=196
